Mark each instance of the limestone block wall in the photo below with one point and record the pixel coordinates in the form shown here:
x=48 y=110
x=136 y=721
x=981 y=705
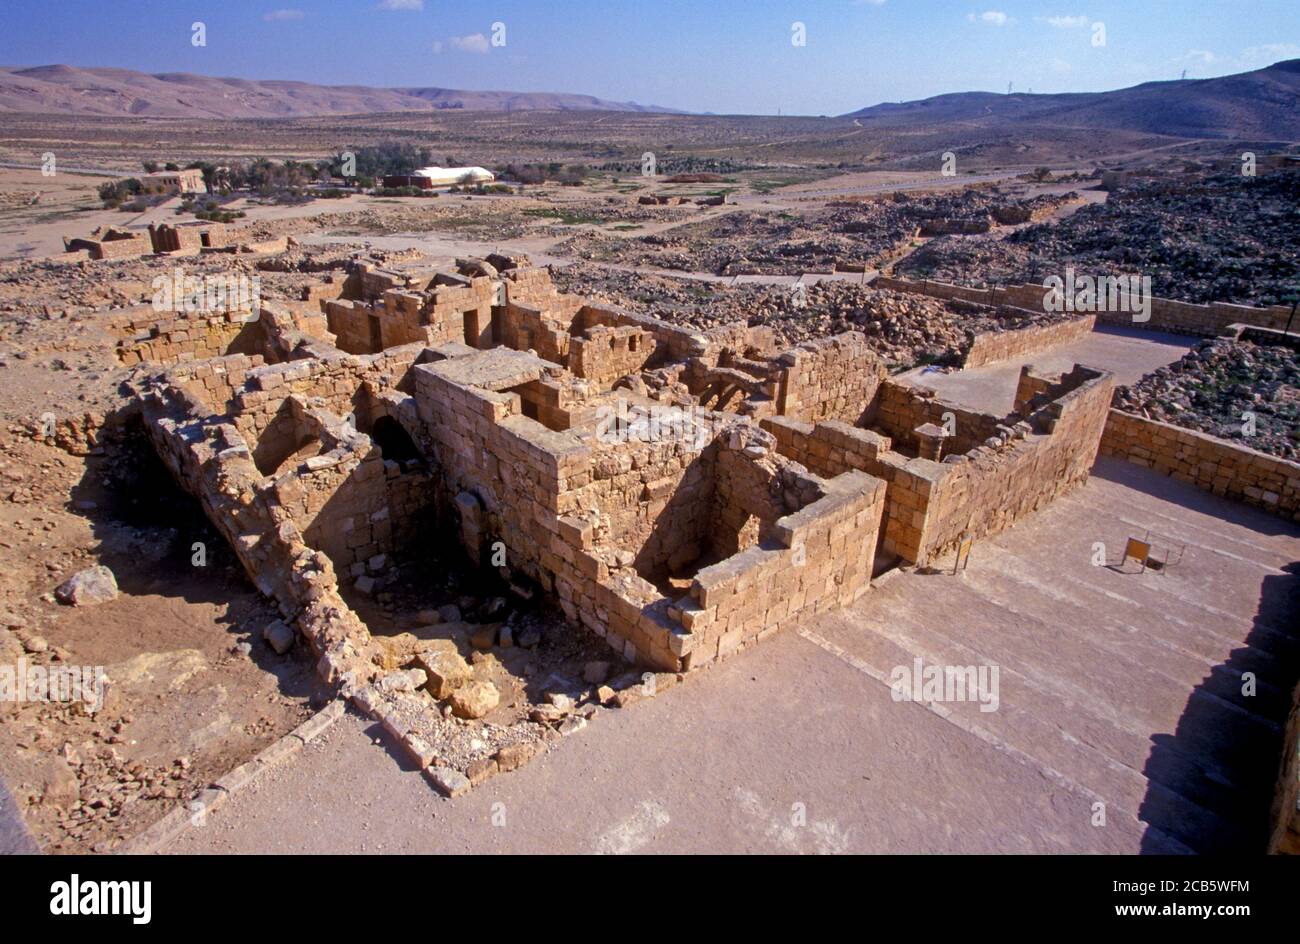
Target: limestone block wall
x=1166 y=314
x=672 y=344
x=815 y=559
x=530 y=328
x=461 y=313
x=900 y=408
x=149 y=336
x=187 y=237
x=605 y=354
x=333 y=378
x=215 y=381
x=118 y=245
x=209 y=459
x=833 y=378
x=988 y=347
x=585 y=518
x=930 y=505
x=1215 y=465
x=390 y=314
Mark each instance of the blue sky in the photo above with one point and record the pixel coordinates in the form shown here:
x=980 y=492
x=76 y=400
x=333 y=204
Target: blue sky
x=724 y=56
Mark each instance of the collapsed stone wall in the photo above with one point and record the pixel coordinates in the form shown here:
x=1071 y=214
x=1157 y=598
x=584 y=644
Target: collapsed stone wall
x=146 y=336
x=1167 y=314
x=452 y=309
x=1199 y=459
x=115 y=244
x=216 y=380
x=209 y=459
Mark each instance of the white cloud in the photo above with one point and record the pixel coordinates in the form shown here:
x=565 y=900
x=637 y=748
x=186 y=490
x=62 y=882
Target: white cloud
x=400 y=5
x=992 y=17
x=283 y=16
x=474 y=42
x=1269 y=53
x=1063 y=22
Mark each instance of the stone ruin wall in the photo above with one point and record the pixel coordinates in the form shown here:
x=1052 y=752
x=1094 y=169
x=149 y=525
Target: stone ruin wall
x=830 y=378
x=930 y=505
x=145 y=335
x=206 y=455
x=988 y=347
x=575 y=516
x=1167 y=314
x=1215 y=465
x=602 y=526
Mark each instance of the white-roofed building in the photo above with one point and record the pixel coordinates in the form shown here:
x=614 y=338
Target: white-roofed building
x=446 y=176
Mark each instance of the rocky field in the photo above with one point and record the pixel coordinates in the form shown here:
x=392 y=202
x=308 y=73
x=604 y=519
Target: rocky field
x=845 y=233
x=1221 y=238
x=1219 y=387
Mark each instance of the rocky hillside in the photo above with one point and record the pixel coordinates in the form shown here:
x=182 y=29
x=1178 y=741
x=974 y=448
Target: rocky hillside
x=1264 y=104
x=60 y=89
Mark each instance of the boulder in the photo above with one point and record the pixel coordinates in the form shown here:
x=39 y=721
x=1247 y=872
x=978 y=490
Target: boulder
x=446 y=668
x=474 y=699
x=278 y=636
x=88 y=587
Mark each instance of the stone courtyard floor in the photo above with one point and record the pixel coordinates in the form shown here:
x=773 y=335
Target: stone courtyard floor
x=1116 y=688
x=1129 y=353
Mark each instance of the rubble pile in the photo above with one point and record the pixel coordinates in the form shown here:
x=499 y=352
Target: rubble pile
x=905 y=329
x=1235 y=390
x=844 y=234
x=1219 y=238
x=749 y=243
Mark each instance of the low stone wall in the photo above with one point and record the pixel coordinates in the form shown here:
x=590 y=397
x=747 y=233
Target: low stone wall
x=1167 y=314
x=816 y=559
x=1215 y=465
x=982 y=490
x=992 y=346
x=119 y=245
x=148 y=336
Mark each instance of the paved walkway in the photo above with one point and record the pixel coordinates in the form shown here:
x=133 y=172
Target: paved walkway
x=1115 y=688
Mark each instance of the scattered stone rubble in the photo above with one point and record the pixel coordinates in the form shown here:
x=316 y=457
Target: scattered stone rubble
x=1222 y=237
x=1241 y=391
x=849 y=235
x=905 y=329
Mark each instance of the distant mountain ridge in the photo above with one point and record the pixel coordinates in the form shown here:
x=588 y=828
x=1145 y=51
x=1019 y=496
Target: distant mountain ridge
x=1262 y=104
x=93 y=91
